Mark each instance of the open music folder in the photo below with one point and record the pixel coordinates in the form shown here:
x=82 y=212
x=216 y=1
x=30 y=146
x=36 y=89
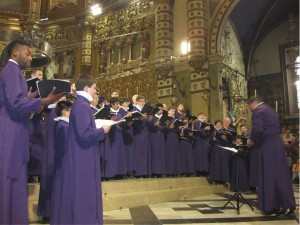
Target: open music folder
x=44 y=87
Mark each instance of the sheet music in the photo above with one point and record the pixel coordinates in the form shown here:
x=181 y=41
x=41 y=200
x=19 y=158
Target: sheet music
x=230 y=149
x=101 y=122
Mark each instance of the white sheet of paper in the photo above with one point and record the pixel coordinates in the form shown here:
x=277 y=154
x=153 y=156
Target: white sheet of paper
x=229 y=149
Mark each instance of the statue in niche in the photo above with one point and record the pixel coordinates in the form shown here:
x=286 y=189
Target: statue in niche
x=62 y=66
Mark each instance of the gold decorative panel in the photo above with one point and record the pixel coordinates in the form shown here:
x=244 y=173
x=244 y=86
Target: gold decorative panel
x=144 y=83
x=14 y=9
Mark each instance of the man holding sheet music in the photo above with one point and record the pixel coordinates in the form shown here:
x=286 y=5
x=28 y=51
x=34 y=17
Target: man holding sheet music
x=15 y=107
x=275 y=192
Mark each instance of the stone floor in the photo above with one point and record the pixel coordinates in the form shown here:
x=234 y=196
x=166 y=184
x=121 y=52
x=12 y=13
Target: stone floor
x=202 y=210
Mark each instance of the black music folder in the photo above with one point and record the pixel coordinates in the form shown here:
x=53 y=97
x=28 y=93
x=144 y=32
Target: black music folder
x=134 y=115
x=104 y=113
x=31 y=83
x=45 y=87
x=178 y=123
x=148 y=109
x=164 y=120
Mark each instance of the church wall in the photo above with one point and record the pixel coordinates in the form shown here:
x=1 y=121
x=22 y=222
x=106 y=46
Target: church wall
x=266 y=57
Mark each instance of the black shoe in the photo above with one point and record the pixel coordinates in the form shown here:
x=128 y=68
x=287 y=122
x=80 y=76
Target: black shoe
x=269 y=213
x=286 y=212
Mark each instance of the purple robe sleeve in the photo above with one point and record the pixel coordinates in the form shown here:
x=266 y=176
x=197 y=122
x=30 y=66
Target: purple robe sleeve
x=15 y=89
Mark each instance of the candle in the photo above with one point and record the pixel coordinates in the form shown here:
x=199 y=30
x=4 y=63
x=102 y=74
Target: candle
x=276 y=106
x=254 y=92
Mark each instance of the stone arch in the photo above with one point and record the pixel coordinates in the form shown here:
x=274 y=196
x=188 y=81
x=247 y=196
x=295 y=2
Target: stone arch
x=218 y=21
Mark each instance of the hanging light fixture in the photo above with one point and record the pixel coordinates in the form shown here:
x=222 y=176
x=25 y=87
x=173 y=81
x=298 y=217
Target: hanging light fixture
x=96 y=9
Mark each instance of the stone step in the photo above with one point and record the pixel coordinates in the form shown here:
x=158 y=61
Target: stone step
x=120 y=194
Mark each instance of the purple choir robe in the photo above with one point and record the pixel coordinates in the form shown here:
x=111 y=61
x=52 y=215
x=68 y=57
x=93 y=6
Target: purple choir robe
x=158 y=148
x=61 y=136
x=253 y=167
x=219 y=162
x=108 y=168
x=173 y=166
x=201 y=148
x=127 y=133
x=274 y=178
x=141 y=147
x=44 y=204
x=179 y=116
x=37 y=144
x=187 y=159
x=81 y=186
x=117 y=148
x=15 y=107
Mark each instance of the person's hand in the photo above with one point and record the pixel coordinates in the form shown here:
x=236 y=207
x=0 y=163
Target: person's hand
x=32 y=94
x=172 y=126
x=157 y=123
x=128 y=114
x=250 y=143
x=106 y=128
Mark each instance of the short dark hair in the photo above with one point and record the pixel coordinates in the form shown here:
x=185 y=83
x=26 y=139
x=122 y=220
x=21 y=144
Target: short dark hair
x=218 y=121
x=61 y=106
x=84 y=80
x=253 y=99
x=124 y=99
x=113 y=100
x=159 y=105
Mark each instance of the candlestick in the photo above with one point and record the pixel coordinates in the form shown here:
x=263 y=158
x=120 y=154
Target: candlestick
x=276 y=106
x=254 y=92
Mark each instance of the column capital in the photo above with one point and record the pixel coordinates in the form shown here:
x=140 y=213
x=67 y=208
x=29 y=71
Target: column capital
x=170 y=2
x=213 y=59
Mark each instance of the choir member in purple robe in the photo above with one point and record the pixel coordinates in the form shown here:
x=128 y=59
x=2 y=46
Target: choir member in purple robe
x=16 y=103
x=44 y=203
x=173 y=166
x=275 y=192
x=61 y=136
x=37 y=140
x=157 y=144
x=239 y=166
x=201 y=145
x=116 y=138
x=187 y=158
x=180 y=113
x=37 y=146
x=81 y=186
x=253 y=160
x=219 y=163
x=127 y=134
x=141 y=141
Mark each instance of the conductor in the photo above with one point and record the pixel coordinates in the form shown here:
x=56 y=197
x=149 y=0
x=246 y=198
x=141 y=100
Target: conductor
x=275 y=193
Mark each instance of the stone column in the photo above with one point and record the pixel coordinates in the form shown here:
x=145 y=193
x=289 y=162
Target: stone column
x=163 y=28
x=197 y=31
x=215 y=108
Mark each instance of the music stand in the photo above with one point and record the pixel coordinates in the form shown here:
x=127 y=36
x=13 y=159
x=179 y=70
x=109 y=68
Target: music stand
x=237 y=195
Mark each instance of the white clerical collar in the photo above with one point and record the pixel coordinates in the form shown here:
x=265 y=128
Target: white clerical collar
x=85 y=95
x=158 y=116
x=11 y=60
x=259 y=104
x=113 y=110
x=62 y=118
x=126 y=109
x=138 y=107
x=52 y=106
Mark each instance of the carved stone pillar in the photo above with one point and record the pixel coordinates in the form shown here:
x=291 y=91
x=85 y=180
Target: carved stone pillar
x=163 y=28
x=34 y=10
x=86 y=51
x=215 y=109
x=197 y=31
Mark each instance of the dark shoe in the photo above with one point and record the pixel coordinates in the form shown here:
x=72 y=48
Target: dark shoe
x=269 y=213
x=286 y=212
